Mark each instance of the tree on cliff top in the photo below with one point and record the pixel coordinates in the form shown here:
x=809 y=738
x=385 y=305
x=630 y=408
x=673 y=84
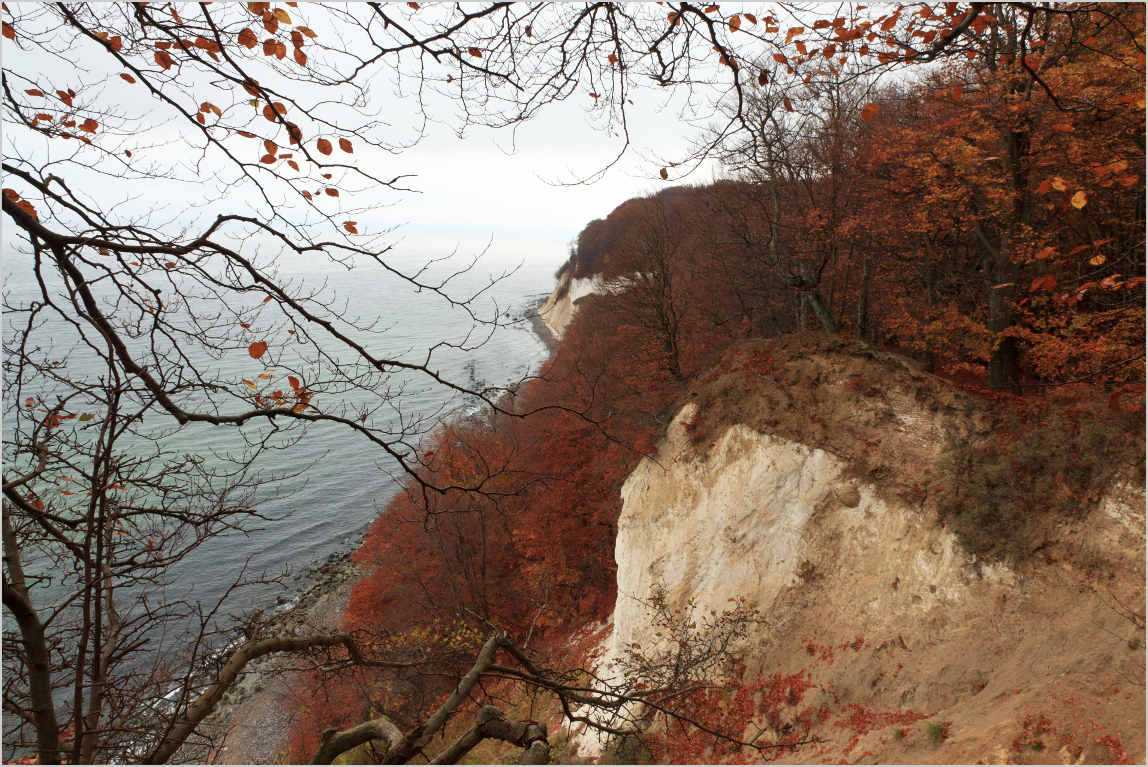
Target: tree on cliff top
x=272 y=108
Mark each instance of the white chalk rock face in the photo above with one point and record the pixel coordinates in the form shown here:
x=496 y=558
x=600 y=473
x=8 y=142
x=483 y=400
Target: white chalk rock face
x=719 y=530
x=742 y=520
x=557 y=311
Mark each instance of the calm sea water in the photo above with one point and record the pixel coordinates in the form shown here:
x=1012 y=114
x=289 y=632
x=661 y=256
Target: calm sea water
x=328 y=507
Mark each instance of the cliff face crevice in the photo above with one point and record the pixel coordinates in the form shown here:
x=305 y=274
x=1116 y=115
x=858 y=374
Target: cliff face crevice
x=804 y=476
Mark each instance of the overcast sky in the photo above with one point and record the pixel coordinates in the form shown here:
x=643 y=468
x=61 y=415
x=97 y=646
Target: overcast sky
x=474 y=189
x=491 y=186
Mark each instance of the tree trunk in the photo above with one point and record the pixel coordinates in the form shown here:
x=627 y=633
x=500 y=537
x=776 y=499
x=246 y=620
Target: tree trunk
x=19 y=603
x=863 y=298
x=821 y=311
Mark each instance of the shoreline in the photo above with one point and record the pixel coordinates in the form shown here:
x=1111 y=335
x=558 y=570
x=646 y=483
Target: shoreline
x=252 y=723
x=540 y=327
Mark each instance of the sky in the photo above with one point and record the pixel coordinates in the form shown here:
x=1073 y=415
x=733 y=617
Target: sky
x=477 y=188
x=492 y=187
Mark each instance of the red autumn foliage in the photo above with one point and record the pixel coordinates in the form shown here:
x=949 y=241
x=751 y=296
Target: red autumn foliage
x=966 y=219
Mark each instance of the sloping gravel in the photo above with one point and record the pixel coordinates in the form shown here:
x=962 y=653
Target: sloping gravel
x=253 y=724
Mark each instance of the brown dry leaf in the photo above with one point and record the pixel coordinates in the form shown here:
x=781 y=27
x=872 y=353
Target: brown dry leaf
x=331 y=192
x=1098 y=259
x=324 y=146
x=664 y=174
x=1079 y=200
x=345 y=145
x=257 y=349
x=350 y=226
x=271 y=110
x=163 y=59
x=248 y=39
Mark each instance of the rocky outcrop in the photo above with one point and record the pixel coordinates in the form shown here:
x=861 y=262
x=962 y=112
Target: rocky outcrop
x=820 y=506
x=559 y=308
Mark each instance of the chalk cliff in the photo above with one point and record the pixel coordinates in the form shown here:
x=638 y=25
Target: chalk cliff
x=808 y=476
x=559 y=308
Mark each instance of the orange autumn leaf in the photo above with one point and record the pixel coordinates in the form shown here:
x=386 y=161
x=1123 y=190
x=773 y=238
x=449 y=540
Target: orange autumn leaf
x=271 y=110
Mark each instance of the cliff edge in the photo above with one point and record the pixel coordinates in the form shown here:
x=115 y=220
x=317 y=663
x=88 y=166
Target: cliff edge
x=830 y=483
x=559 y=308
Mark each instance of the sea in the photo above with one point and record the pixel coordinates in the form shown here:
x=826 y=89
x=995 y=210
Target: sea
x=339 y=481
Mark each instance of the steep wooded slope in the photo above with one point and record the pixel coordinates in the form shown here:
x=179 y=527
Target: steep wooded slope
x=824 y=480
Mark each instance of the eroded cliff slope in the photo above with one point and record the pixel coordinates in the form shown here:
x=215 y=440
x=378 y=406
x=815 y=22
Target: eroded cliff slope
x=559 y=308
x=834 y=485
